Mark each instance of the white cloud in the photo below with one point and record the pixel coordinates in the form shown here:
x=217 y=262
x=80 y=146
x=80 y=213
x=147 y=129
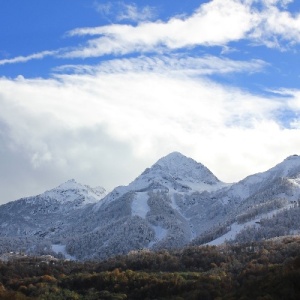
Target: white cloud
x=23 y=59
x=132 y=13
x=216 y=23
x=292 y=100
x=121 y=11
x=190 y=65
x=276 y=28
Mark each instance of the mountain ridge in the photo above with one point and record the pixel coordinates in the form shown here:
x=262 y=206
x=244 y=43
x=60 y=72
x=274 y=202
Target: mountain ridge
x=175 y=202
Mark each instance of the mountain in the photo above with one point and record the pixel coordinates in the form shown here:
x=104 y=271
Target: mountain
x=33 y=220
x=75 y=193
x=172 y=173
x=266 y=204
x=287 y=170
x=184 y=173
x=175 y=202
x=146 y=213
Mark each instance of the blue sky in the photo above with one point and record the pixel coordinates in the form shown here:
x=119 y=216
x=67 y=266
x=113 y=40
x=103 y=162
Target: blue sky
x=99 y=90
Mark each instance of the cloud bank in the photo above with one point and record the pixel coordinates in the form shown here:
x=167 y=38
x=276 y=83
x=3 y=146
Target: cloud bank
x=108 y=125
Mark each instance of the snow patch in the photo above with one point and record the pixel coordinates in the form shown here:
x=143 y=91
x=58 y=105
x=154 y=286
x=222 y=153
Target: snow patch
x=139 y=205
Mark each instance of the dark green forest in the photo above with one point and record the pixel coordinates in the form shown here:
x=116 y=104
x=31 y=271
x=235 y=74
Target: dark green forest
x=263 y=270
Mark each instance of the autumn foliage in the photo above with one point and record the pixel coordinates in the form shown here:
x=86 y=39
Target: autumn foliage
x=265 y=270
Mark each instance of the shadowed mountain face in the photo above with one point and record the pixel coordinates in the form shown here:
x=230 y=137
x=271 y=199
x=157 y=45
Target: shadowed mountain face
x=175 y=202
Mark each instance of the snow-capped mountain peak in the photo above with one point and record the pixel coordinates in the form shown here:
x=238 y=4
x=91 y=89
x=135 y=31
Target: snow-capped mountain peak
x=72 y=190
x=174 y=202
x=175 y=172
x=71 y=184
x=184 y=168
x=290 y=167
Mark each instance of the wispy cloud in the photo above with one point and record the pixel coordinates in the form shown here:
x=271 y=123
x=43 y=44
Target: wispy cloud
x=23 y=59
x=276 y=27
x=120 y=11
x=189 y=65
x=131 y=12
x=216 y=23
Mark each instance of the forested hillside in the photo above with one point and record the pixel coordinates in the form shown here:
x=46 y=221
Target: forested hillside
x=263 y=270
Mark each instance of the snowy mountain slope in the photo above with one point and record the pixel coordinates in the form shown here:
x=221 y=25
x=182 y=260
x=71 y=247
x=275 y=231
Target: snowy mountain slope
x=149 y=205
x=175 y=202
x=149 y=201
x=172 y=173
x=253 y=184
x=236 y=228
x=49 y=213
x=72 y=191
x=276 y=204
x=259 y=197
x=270 y=190
x=179 y=173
